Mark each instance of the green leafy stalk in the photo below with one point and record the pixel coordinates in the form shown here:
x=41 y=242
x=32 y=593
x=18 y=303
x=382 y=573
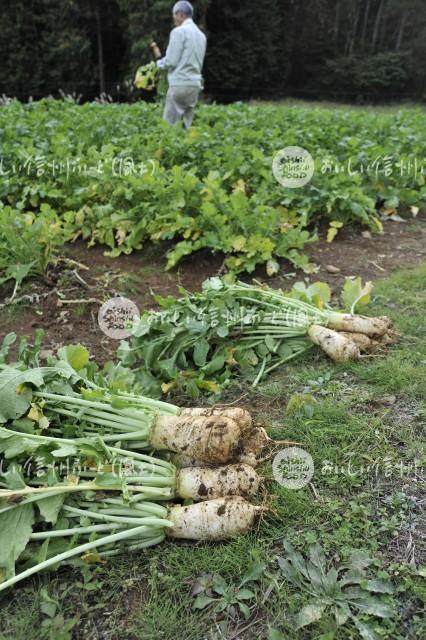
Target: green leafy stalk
x=88 y=547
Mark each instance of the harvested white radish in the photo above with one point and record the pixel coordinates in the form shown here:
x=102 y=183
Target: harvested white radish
x=363 y=342
x=214 y=440
x=391 y=337
x=372 y=327
x=336 y=346
x=252 y=444
x=240 y=416
x=209 y=484
x=248 y=450
x=213 y=520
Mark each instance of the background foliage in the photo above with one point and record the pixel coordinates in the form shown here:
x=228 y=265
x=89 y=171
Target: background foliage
x=336 y=49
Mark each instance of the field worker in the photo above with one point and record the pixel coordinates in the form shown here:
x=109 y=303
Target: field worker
x=183 y=61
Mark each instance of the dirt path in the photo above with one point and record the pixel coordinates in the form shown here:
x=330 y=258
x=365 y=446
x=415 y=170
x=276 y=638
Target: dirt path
x=352 y=254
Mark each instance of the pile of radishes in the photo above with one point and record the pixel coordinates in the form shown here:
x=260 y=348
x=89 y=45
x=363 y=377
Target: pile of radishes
x=216 y=452
x=346 y=337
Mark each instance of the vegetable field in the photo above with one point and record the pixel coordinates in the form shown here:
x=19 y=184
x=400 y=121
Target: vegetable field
x=116 y=175
x=145 y=484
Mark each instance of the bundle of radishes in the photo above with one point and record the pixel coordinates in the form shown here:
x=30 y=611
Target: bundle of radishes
x=341 y=336
x=94 y=490
x=198 y=342
x=348 y=336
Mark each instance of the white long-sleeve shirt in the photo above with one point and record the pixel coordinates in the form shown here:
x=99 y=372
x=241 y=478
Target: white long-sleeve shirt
x=185 y=55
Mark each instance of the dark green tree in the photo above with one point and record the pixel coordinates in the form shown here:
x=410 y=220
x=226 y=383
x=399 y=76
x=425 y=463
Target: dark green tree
x=43 y=47
x=341 y=49
x=247 y=47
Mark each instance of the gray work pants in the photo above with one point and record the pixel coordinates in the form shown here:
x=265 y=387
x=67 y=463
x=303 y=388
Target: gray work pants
x=180 y=103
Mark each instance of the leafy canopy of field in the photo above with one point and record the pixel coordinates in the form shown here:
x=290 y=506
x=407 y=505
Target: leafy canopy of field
x=118 y=175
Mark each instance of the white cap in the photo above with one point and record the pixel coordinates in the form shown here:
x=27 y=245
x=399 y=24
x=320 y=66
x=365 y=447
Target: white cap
x=185 y=7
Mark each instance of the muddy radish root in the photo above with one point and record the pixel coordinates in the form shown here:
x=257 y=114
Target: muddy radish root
x=391 y=337
x=336 y=346
x=213 y=439
x=371 y=345
x=208 y=441
x=363 y=342
x=251 y=446
x=209 y=484
x=240 y=416
x=373 y=327
x=248 y=451
x=213 y=520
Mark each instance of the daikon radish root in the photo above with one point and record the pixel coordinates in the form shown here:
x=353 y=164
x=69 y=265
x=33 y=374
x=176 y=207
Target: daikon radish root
x=240 y=416
x=214 y=440
x=372 y=327
x=363 y=342
x=248 y=451
x=252 y=444
x=208 y=484
x=213 y=520
x=380 y=343
x=391 y=337
x=336 y=346
x=367 y=344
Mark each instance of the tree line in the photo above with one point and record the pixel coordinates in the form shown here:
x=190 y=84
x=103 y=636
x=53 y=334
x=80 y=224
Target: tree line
x=357 y=50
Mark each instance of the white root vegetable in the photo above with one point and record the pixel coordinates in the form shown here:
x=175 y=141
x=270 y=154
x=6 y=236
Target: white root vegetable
x=214 y=520
x=336 y=346
x=363 y=342
x=391 y=337
x=202 y=484
x=240 y=416
x=372 y=327
x=247 y=452
x=214 y=440
x=371 y=345
x=252 y=445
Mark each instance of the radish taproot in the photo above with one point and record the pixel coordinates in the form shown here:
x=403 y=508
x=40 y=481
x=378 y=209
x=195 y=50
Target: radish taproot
x=336 y=346
x=364 y=343
x=214 y=440
x=202 y=484
x=367 y=344
x=240 y=416
x=212 y=436
x=248 y=451
x=213 y=520
x=373 y=327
